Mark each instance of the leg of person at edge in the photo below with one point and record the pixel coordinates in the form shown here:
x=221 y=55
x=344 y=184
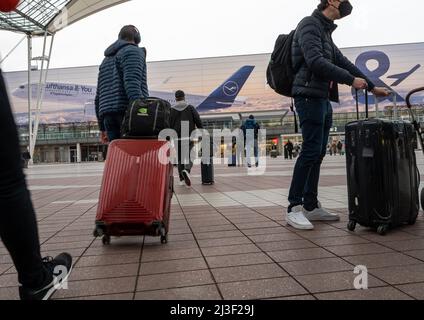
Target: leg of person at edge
x=319 y=67
x=39 y=277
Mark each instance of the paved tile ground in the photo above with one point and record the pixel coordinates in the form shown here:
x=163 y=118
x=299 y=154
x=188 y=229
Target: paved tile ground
x=227 y=241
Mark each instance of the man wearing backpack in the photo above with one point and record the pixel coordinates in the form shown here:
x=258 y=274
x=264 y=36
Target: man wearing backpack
x=184 y=120
x=122 y=81
x=319 y=66
x=250 y=130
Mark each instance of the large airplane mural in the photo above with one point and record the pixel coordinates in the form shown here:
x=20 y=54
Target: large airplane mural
x=222 y=97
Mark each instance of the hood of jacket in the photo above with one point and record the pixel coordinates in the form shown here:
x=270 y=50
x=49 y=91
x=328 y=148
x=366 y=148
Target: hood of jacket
x=250 y=123
x=116 y=46
x=180 y=106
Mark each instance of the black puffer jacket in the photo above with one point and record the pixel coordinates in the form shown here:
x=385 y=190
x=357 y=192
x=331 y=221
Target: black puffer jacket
x=318 y=63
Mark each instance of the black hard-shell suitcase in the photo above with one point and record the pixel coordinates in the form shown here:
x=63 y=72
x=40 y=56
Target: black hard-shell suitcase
x=382 y=174
x=207 y=174
x=207 y=167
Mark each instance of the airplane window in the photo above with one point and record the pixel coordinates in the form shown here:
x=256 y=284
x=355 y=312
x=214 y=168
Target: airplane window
x=22 y=87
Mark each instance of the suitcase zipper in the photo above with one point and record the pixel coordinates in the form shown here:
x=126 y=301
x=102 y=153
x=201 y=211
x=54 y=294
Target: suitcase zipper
x=156 y=116
x=131 y=115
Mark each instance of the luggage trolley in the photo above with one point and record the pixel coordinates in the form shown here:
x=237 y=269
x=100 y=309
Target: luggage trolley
x=418 y=128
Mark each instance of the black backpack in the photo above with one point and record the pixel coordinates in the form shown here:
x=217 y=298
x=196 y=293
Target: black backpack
x=280 y=73
x=146 y=118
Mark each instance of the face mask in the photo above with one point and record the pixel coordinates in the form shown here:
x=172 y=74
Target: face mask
x=345 y=8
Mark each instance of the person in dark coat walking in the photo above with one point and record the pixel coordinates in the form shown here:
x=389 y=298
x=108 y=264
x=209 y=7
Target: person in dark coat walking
x=184 y=120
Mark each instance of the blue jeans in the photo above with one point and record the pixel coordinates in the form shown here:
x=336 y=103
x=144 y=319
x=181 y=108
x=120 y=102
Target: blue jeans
x=113 y=123
x=316 y=120
x=252 y=146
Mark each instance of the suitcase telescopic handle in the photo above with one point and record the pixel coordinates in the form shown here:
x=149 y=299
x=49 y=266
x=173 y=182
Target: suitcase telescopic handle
x=408 y=97
x=366 y=104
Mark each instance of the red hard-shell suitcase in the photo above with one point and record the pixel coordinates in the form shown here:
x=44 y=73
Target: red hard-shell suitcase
x=136 y=192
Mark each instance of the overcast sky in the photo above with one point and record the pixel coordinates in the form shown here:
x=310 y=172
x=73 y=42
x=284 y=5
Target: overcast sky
x=180 y=29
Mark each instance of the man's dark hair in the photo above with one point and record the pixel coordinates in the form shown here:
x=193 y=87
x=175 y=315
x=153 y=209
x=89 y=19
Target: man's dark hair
x=251 y=117
x=179 y=95
x=130 y=33
x=323 y=5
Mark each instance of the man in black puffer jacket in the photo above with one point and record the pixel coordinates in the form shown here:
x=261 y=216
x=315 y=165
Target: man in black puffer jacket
x=122 y=80
x=319 y=67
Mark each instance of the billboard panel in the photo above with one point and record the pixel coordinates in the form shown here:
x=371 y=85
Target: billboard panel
x=217 y=85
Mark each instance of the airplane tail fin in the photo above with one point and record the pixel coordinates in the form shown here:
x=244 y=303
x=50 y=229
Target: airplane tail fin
x=225 y=95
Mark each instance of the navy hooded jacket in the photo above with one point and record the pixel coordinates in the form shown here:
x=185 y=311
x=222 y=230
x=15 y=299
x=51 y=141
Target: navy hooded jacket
x=122 y=79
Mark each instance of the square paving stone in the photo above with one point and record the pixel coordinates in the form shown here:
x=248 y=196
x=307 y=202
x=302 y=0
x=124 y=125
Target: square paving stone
x=90 y=261
x=274 y=237
x=260 y=289
x=339 y=241
x=334 y=281
x=358 y=249
x=415 y=290
x=161 y=255
x=227 y=250
x=252 y=272
x=174 y=280
x=316 y=266
x=384 y=293
x=170 y=266
x=104 y=272
x=300 y=254
x=207 y=292
x=238 y=260
x=286 y=245
x=400 y=275
x=87 y=288
x=382 y=260
x=224 y=242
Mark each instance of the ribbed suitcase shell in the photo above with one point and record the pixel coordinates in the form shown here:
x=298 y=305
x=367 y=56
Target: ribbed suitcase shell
x=382 y=173
x=136 y=192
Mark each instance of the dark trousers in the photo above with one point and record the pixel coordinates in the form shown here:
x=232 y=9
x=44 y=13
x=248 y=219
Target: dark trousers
x=113 y=123
x=184 y=160
x=18 y=226
x=316 y=120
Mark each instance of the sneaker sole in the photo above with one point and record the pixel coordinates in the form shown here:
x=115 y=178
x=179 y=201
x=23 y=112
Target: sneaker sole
x=187 y=180
x=324 y=219
x=299 y=227
x=57 y=286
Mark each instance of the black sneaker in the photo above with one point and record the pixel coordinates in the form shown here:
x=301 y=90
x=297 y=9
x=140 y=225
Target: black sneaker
x=186 y=177
x=58 y=270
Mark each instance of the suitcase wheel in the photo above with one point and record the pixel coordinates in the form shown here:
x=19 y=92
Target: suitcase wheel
x=382 y=229
x=106 y=240
x=163 y=236
x=98 y=232
x=351 y=226
x=164 y=239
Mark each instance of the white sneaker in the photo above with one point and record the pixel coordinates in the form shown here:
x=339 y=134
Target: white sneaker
x=297 y=219
x=320 y=214
x=187 y=178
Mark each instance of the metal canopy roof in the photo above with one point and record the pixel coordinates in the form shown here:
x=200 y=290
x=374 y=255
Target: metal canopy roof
x=36 y=17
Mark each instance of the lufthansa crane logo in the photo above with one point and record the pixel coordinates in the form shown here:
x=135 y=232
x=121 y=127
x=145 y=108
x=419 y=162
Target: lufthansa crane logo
x=231 y=88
